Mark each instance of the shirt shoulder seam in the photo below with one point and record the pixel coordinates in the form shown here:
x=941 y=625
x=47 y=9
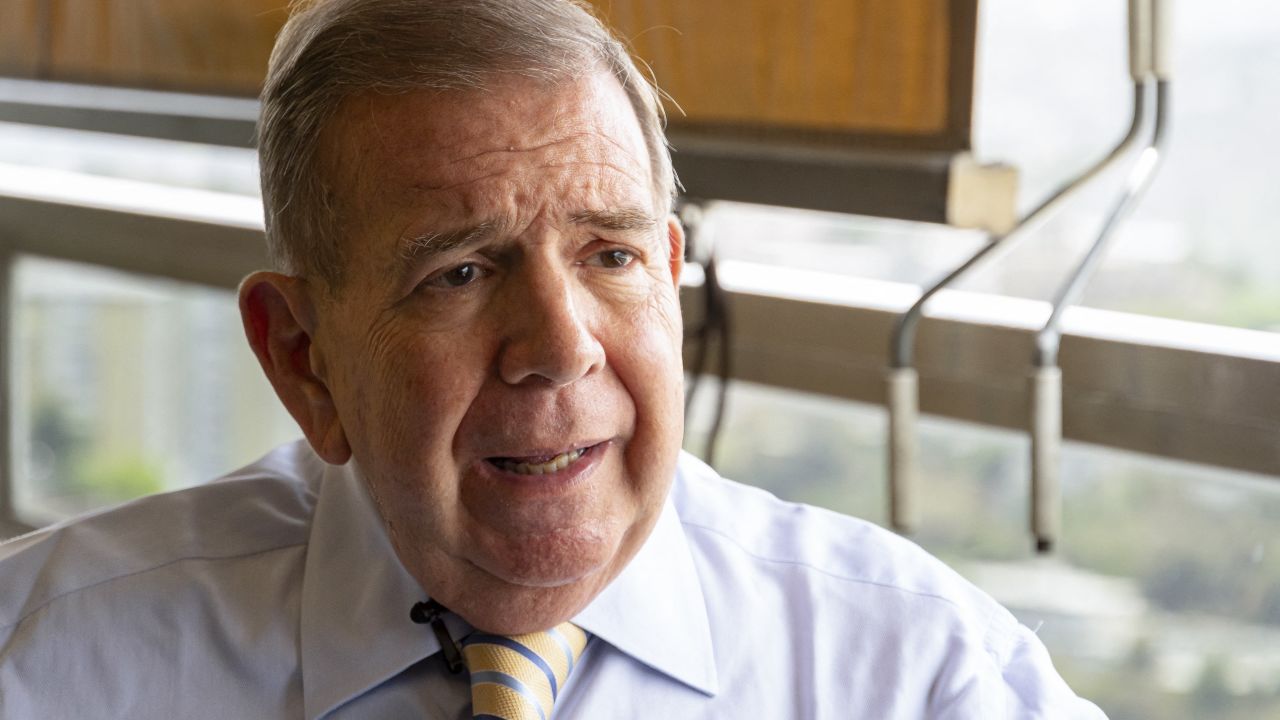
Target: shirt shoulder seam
x=237 y=556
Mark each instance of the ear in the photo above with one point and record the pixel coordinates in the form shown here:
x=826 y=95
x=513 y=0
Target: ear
x=675 y=238
x=279 y=321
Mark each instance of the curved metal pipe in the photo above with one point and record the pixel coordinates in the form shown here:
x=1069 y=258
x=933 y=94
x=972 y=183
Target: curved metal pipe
x=1047 y=340
x=903 y=339
x=1046 y=377
x=902 y=381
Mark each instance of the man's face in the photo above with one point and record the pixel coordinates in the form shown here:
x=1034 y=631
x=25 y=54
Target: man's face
x=504 y=355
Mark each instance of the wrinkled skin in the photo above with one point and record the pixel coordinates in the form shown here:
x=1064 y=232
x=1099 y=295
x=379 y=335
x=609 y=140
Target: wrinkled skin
x=553 y=325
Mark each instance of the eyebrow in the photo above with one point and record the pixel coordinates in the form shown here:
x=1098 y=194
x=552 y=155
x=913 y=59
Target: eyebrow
x=436 y=243
x=621 y=220
x=415 y=248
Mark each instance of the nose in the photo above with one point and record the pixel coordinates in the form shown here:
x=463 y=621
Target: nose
x=548 y=338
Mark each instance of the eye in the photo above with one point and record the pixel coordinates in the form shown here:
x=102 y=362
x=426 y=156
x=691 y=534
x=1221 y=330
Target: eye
x=455 y=277
x=614 y=259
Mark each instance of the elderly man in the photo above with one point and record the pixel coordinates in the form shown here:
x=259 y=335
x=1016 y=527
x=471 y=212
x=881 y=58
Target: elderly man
x=474 y=320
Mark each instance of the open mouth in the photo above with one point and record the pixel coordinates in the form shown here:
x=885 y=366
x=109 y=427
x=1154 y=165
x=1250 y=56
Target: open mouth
x=540 y=465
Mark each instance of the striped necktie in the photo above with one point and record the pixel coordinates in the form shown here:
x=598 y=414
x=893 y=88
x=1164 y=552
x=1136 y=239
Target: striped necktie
x=519 y=677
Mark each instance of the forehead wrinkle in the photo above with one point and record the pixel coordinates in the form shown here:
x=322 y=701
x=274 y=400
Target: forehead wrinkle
x=461 y=183
x=423 y=187
x=620 y=146
x=563 y=139
x=516 y=149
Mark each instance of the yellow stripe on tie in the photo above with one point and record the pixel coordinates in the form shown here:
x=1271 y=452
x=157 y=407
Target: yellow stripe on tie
x=548 y=649
x=500 y=701
x=519 y=677
x=505 y=661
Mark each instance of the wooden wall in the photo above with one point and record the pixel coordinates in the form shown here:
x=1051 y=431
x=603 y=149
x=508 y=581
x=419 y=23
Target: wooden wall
x=198 y=45
x=206 y=44
x=888 y=67
x=20 y=37
x=863 y=65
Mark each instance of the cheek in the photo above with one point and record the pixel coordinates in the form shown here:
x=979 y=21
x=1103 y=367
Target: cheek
x=416 y=400
x=657 y=335
x=413 y=396
x=649 y=362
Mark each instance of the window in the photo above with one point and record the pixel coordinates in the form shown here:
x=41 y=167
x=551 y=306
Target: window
x=1053 y=96
x=126 y=385
x=160 y=162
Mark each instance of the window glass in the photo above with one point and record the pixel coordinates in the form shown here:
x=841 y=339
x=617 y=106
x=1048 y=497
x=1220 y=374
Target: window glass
x=125 y=385
x=162 y=162
x=1053 y=95
x=1164 y=597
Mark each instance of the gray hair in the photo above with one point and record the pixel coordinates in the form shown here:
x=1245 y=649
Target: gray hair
x=333 y=49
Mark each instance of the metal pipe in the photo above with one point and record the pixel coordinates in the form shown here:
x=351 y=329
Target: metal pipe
x=904 y=331
x=902 y=379
x=10 y=523
x=1149 y=24
x=1046 y=377
x=1151 y=55
x=1139 y=180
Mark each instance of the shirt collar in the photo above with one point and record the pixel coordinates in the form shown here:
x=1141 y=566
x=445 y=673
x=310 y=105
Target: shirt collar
x=355 y=627
x=654 y=610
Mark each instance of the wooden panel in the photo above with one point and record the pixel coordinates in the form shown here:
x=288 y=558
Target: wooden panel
x=870 y=68
x=200 y=45
x=20 y=37
x=866 y=66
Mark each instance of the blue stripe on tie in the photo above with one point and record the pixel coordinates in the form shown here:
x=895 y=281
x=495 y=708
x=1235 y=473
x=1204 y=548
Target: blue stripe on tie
x=532 y=656
x=501 y=678
x=563 y=642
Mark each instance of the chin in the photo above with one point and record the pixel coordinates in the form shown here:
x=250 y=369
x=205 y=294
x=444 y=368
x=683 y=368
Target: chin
x=544 y=581
x=520 y=608
x=554 y=560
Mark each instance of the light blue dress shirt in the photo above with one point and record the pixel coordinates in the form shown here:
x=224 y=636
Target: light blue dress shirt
x=274 y=593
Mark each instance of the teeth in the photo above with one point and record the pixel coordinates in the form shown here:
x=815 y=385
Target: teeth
x=555 y=464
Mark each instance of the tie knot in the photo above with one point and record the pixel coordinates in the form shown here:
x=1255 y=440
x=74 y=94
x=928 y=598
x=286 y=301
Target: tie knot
x=519 y=677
